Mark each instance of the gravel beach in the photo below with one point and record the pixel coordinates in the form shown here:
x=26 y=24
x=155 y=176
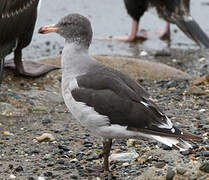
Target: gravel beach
x=40 y=140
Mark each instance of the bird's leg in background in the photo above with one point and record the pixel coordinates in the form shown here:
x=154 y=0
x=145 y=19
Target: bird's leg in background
x=106 y=153
x=132 y=36
x=28 y=68
x=18 y=61
x=1 y=70
x=166 y=34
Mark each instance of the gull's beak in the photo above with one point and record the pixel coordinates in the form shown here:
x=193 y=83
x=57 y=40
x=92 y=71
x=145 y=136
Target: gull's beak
x=48 y=29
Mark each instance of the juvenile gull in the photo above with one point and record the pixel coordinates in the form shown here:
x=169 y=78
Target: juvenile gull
x=17 y=21
x=106 y=101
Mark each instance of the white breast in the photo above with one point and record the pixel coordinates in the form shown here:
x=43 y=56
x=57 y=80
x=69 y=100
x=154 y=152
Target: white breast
x=86 y=115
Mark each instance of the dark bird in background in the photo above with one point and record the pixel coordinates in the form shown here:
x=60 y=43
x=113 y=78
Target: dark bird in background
x=17 y=21
x=107 y=102
x=173 y=11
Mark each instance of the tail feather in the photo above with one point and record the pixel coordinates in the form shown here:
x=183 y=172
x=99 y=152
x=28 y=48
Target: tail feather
x=190 y=27
x=173 y=142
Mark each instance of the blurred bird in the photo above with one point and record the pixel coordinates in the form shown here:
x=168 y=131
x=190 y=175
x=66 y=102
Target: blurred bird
x=173 y=11
x=17 y=21
x=107 y=102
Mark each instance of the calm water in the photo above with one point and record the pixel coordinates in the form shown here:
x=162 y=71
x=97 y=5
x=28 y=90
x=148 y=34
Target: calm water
x=109 y=17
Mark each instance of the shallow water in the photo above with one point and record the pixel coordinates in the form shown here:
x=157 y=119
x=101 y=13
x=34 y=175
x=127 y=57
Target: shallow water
x=109 y=17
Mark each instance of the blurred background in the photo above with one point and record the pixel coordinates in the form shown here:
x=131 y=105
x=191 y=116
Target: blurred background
x=109 y=17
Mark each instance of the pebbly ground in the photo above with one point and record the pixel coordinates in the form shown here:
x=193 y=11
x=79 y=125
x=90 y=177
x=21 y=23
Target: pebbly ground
x=31 y=107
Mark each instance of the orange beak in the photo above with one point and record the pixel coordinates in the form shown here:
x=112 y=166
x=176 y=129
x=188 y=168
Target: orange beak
x=48 y=29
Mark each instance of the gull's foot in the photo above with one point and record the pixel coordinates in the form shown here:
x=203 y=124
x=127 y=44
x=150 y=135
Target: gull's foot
x=30 y=68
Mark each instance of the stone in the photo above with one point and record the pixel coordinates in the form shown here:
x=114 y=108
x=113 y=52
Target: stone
x=170 y=174
x=6 y=109
x=205 y=167
x=63 y=147
x=41 y=178
x=19 y=169
x=124 y=156
x=181 y=170
x=45 y=137
x=39 y=109
x=205 y=153
x=12 y=176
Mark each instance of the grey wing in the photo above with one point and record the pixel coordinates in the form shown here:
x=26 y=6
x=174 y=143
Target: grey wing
x=111 y=97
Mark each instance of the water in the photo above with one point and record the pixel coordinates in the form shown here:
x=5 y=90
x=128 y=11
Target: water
x=109 y=17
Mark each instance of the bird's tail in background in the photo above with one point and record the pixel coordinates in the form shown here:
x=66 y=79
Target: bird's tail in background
x=1 y=69
x=189 y=26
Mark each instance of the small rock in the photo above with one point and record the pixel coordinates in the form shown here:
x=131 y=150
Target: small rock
x=12 y=176
x=73 y=176
x=170 y=174
x=47 y=156
x=63 y=147
x=93 y=156
x=48 y=174
x=41 y=178
x=159 y=165
x=143 y=53
x=185 y=153
x=39 y=109
x=45 y=137
x=205 y=153
x=181 y=170
x=205 y=167
x=124 y=156
x=46 y=121
x=19 y=168
x=125 y=164
x=31 y=178
x=192 y=176
x=6 y=109
x=131 y=142
x=74 y=160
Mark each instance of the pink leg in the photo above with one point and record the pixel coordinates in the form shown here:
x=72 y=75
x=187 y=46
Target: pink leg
x=166 y=34
x=132 y=36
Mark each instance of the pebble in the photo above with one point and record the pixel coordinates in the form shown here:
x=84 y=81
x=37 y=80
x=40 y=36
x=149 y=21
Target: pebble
x=73 y=176
x=31 y=178
x=63 y=147
x=124 y=156
x=41 y=178
x=170 y=174
x=185 y=153
x=159 y=165
x=47 y=156
x=125 y=164
x=181 y=170
x=205 y=167
x=143 y=53
x=38 y=109
x=45 y=137
x=19 y=169
x=12 y=176
x=48 y=174
x=74 y=160
x=6 y=109
x=131 y=142
x=92 y=156
x=192 y=176
x=206 y=153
